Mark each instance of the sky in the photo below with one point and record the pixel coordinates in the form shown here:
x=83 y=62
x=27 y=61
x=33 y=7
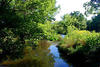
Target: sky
x=67 y=6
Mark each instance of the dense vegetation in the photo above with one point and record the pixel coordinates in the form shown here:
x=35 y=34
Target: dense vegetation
x=75 y=20
x=83 y=41
x=21 y=20
x=24 y=23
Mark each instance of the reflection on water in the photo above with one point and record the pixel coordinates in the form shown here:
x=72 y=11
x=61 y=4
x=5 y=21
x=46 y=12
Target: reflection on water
x=50 y=52
x=39 y=57
x=59 y=62
x=45 y=55
x=54 y=53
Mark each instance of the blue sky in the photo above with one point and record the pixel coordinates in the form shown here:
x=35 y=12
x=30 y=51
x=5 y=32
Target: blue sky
x=67 y=6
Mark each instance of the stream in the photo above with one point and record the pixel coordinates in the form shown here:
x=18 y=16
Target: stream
x=59 y=62
x=47 y=55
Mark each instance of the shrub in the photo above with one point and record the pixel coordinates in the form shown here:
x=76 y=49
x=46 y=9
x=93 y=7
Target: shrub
x=48 y=32
x=92 y=43
x=84 y=41
x=10 y=44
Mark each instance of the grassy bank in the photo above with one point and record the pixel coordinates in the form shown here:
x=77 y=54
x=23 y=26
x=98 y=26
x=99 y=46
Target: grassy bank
x=82 y=45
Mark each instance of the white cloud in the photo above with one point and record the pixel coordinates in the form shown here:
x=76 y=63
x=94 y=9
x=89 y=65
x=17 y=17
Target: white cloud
x=68 y=6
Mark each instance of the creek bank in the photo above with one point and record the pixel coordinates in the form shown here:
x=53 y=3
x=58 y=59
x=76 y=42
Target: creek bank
x=81 y=53
x=78 y=59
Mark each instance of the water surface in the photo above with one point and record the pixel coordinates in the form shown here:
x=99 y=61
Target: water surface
x=59 y=62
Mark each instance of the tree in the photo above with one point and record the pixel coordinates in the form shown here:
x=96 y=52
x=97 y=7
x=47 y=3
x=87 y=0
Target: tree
x=74 y=20
x=21 y=17
x=95 y=24
x=81 y=20
x=97 y=1
x=92 y=7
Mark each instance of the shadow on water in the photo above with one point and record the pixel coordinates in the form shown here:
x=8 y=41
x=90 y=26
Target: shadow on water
x=80 y=60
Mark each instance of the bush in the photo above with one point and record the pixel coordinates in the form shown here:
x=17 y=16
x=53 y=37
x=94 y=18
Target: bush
x=48 y=32
x=10 y=44
x=92 y=43
x=84 y=41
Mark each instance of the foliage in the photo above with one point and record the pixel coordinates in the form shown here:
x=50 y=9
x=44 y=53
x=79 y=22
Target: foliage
x=48 y=31
x=81 y=20
x=23 y=23
x=92 y=7
x=94 y=24
x=61 y=26
x=92 y=43
x=10 y=44
x=80 y=41
x=19 y=19
x=75 y=19
x=24 y=15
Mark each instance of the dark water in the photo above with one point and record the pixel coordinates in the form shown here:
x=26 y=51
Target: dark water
x=59 y=62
